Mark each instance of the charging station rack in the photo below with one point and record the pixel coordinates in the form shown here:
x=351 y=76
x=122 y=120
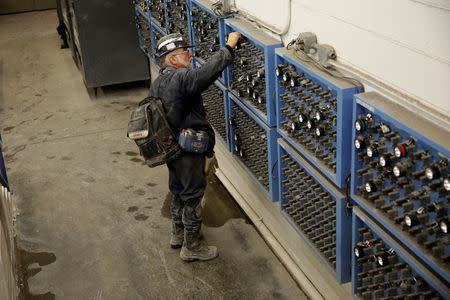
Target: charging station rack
x=206 y=32
x=251 y=76
x=400 y=176
x=314 y=113
x=254 y=146
x=215 y=100
x=316 y=210
x=384 y=269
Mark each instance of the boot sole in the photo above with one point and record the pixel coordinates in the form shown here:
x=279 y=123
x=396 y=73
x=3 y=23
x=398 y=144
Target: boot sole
x=176 y=246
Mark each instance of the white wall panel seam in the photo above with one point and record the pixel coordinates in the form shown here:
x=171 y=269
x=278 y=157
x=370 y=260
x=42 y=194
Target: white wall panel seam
x=441 y=5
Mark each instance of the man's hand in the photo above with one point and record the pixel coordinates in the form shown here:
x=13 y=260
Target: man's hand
x=233 y=39
x=210 y=165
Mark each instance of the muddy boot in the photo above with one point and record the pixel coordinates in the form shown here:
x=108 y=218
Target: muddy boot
x=177 y=236
x=194 y=249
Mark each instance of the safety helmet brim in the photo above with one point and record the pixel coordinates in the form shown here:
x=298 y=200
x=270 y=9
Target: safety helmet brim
x=170 y=44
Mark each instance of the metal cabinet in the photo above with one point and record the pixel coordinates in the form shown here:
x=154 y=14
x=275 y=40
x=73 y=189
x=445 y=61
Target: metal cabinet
x=103 y=40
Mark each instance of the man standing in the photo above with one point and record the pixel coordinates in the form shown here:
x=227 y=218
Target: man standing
x=180 y=87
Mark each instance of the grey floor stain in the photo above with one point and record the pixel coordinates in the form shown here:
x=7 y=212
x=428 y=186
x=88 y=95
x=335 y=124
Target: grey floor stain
x=24 y=260
x=89 y=179
x=241 y=238
x=151 y=184
x=116 y=153
x=148 y=207
x=135 y=159
x=9 y=128
x=115 y=161
x=131 y=153
x=66 y=158
x=141 y=217
x=48 y=117
x=139 y=192
x=51 y=157
x=129 y=187
x=9 y=157
x=132 y=209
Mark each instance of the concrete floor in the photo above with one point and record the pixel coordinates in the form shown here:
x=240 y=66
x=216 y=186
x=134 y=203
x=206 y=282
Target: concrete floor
x=93 y=220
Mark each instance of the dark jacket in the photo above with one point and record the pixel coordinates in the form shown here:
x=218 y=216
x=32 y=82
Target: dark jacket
x=180 y=91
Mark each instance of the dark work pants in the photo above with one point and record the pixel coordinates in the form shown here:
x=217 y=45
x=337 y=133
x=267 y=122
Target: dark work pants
x=187 y=182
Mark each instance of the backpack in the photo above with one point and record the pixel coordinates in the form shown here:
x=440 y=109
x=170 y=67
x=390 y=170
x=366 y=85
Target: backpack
x=149 y=128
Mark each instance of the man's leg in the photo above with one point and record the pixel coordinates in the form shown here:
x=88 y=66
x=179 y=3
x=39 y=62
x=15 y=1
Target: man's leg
x=189 y=171
x=177 y=236
x=176 y=209
x=193 y=248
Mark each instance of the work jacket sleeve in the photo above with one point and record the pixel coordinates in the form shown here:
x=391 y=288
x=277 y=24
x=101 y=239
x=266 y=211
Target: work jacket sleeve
x=196 y=81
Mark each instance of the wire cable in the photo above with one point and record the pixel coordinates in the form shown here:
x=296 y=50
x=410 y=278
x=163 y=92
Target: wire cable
x=348 y=205
x=306 y=58
x=273 y=167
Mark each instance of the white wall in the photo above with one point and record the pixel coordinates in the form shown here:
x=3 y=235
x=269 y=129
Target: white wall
x=403 y=43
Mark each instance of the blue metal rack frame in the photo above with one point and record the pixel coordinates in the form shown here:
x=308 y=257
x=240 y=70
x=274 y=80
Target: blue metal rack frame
x=4 y=178
x=217 y=31
x=400 y=272
x=158 y=8
x=143 y=10
x=314 y=112
x=316 y=210
x=177 y=19
x=258 y=93
x=265 y=141
x=144 y=33
x=215 y=100
x=156 y=34
x=407 y=145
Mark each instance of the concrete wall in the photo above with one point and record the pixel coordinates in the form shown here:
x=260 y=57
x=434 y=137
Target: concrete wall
x=15 y=6
x=403 y=43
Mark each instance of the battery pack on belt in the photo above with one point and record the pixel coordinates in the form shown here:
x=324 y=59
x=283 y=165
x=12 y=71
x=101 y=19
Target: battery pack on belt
x=191 y=140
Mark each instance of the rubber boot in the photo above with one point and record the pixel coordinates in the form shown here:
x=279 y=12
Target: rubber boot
x=177 y=236
x=195 y=249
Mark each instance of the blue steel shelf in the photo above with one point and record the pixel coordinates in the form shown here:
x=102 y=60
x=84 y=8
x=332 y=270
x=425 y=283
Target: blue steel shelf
x=4 y=179
x=144 y=35
x=215 y=100
x=140 y=11
x=400 y=274
x=156 y=34
x=177 y=17
x=256 y=54
x=314 y=113
x=158 y=7
x=254 y=146
x=390 y=198
x=205 y=24
x=316 y=210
